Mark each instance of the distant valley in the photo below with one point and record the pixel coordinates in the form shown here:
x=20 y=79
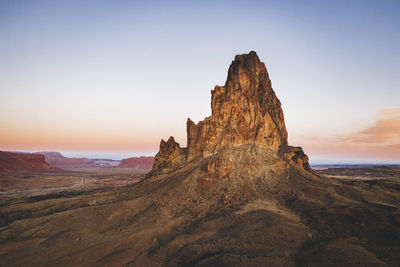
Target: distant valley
x=57 y=160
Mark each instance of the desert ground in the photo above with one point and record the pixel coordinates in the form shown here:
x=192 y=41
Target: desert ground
x=373 y=173
x=114 y=223
x=28 y=184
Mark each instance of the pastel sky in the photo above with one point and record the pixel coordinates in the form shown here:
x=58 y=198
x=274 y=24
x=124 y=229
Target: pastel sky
x=114 y=77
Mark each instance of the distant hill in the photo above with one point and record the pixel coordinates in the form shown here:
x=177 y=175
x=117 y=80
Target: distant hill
x=50 y=154
x=56 y=159
x=144 y=163
x=354 y=166
x=71 y=163
x=10 y=161
x=106 y=163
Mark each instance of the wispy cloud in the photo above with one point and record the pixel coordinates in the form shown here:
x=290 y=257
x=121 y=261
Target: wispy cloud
x=386 y=129
x=381 y=140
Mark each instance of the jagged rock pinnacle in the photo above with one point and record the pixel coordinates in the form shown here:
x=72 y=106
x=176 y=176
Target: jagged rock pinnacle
x=244 y=110
x=171 y=155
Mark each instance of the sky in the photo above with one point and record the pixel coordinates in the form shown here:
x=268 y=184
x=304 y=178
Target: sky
x=113 y=78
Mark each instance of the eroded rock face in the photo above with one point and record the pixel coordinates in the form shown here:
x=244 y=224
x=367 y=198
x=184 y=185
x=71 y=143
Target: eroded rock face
x=219 y=167
x=295 y=156
x=244 y=110
x=170 y=156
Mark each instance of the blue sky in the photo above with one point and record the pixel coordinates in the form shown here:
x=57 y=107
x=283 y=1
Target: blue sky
x=117 y=76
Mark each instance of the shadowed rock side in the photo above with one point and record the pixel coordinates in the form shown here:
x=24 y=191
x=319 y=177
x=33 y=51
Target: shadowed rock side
x=245 y=110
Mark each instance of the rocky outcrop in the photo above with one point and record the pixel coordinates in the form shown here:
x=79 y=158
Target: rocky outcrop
x=10 y=161
x=143 y=163
x=295 y=156
x=170 y=157
x=244 y=110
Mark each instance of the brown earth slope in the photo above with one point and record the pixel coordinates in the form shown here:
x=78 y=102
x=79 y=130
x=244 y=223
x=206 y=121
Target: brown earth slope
x=241 y=200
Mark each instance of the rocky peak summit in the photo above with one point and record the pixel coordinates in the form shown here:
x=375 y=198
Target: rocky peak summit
x=171 y=155
x=244 y=110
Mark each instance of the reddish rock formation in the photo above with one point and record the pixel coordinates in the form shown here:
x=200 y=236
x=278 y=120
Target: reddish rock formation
x=244 y=110
x=171 y=156
x=24 y=162
x=143 y=163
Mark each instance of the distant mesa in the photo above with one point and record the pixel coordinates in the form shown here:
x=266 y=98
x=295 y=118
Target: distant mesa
x=10 y=161
x=143 y=163
x=244 y=111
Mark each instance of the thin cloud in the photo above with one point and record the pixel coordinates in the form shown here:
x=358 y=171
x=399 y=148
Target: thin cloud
x=381 y=140
x=385 y=130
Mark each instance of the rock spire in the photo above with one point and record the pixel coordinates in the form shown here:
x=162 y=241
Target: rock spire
x=244 y=110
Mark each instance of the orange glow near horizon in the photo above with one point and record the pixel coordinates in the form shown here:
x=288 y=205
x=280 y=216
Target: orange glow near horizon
x=380 y=141
x=46 y=137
